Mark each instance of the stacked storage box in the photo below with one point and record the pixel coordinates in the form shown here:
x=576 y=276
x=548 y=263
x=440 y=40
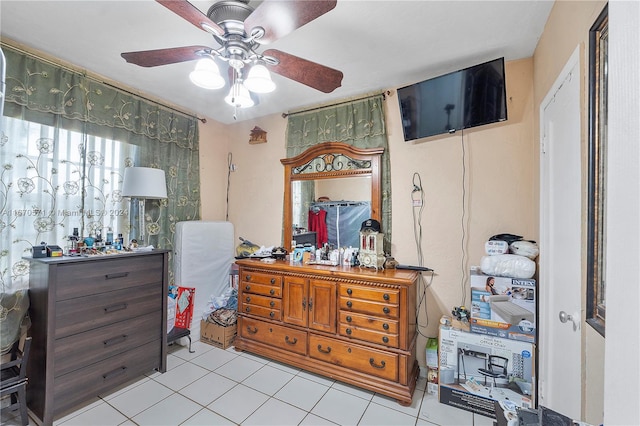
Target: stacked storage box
x=493 y=359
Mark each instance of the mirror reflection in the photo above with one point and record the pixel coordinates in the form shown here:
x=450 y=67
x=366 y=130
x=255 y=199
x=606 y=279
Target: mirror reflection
x=330 y=210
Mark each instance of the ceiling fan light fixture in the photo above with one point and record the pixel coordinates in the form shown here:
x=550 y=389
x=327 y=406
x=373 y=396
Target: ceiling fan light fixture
x=259 y=80
x=239 y=96
x=207 y=75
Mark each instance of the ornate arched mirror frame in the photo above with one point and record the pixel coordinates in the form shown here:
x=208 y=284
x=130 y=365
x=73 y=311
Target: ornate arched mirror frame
x=331 y=160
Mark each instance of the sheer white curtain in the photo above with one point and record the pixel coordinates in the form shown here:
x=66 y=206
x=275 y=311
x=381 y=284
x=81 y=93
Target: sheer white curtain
x=52 y=181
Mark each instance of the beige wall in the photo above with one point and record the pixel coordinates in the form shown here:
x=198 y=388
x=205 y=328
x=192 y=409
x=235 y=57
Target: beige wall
x=256 y=195
x=497 y=194
x=499 y=190
x=214 y=140
x=352 y=189
x=567 y=28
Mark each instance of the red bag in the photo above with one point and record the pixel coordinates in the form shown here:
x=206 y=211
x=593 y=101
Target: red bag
x=184 y=306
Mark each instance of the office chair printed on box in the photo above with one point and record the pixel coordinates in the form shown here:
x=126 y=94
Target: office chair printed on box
x=496 y=368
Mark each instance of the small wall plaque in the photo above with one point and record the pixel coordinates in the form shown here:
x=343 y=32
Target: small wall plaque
x=257 y=136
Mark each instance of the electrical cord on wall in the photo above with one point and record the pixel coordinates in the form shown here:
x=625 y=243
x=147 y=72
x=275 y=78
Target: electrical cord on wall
x=417 y=220
x=464 y=224
x=229 y=166
x=417 y=202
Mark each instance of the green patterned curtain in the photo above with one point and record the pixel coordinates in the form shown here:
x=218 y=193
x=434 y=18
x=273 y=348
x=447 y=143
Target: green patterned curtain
x=359 y=123
x=65 y=142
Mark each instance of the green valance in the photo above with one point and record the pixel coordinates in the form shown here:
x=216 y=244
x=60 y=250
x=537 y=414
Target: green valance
x=41 y=91
x=359 y=123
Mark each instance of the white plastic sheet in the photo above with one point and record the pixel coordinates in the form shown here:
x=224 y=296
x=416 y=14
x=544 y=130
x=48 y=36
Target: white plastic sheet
x=204 y=252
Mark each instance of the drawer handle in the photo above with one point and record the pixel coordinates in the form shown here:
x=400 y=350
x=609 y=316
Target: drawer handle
x=385 y=326
x=247 y=309
x=115 y=308
x=115 y=340
x=117 y=275
x=247 y=287
x=272 y=292
x=304 y=303
x=252 y=331
x=349 y=304
x=349 y=331
x=385 y=339
x=349 y=291
x=385 y=296
x=273 y=280
x=247 y=278
x=324 y=351
x=115 y=373
x=386 y=310
x=349 y=319
x=248 y=299
x=310 y=304
x=272 y=314
x=272 y=303
x=291 y=342
x=374 y=365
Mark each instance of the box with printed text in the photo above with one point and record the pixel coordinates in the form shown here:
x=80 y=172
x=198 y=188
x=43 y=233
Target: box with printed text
x=477 y=370
x=503 y=307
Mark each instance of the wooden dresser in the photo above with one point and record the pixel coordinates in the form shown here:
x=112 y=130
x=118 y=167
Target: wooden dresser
x=96 y=323
x=351 y=324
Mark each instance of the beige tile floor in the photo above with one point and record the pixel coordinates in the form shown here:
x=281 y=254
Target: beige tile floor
x=224 y=387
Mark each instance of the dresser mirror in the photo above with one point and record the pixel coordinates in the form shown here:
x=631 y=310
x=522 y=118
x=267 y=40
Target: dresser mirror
x=337 y=178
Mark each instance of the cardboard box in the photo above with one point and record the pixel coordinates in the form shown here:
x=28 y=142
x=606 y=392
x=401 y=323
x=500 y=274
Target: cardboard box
x=217 y=335
x=464 y=361
x=503 y=307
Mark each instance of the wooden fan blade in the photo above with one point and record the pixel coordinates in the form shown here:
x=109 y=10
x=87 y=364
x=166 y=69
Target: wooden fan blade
x=172 y=55
x=279 y=18
x=190 y=13
x=309 y=73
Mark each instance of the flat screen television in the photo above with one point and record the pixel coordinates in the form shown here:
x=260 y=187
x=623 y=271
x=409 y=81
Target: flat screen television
x=462 y=99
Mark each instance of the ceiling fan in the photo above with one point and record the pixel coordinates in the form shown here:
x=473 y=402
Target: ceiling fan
x=241 y=30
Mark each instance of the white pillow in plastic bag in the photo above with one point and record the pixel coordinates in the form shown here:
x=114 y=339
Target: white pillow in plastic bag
x=508 y=265
x=525 y=248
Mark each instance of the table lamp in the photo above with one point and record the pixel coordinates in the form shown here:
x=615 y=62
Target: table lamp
x=143 y=183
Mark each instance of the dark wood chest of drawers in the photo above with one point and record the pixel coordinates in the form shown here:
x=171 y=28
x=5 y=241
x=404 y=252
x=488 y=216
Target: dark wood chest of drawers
x=354 y=325
x=96 y=323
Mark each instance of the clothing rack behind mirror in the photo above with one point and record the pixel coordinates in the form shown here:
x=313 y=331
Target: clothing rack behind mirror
x=338 y=203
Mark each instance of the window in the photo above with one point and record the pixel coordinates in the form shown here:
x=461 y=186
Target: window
x=54 y=180
x=596 y=235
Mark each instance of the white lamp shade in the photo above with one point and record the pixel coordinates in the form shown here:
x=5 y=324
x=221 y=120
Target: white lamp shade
x=259 y=80
x=239 y=96
x=144 y=182
x=206 y=74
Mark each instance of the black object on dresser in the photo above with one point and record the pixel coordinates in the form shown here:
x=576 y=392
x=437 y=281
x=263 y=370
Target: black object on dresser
x=97 y=322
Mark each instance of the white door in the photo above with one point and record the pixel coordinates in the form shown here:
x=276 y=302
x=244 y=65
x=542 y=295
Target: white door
x=560 y=245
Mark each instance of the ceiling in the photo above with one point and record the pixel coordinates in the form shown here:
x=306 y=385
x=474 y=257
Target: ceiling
x=378 y=45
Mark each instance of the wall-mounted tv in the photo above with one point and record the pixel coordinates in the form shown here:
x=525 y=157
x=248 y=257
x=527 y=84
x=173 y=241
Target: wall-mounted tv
x=462 y=99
